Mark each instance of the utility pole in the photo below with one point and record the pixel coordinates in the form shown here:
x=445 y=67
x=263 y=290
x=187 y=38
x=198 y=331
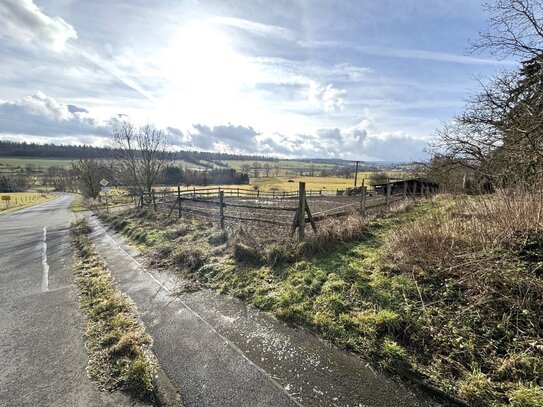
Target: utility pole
x=356 y=174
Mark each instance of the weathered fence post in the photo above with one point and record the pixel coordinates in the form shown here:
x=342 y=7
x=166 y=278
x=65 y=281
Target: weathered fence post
x=301 y=211
x=154 y=199
x=179 y=201
x=363 y=201
x=141 y=201
x=194 y=192
x=421 y=189
x=221 y=211
x=387 y=199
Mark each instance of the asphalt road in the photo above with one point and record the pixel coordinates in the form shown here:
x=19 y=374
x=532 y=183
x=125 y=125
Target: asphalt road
x=42 y=352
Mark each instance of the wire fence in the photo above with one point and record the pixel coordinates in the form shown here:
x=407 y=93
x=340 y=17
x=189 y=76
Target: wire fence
x=272 y=216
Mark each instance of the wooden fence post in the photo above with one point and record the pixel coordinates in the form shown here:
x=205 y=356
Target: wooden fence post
x=363 y=202
x=141 y=201
x=179 y=202
x=221 y=211
x=194 y=192
x=301 y=211
x=387 y=200
x=421 y=189
x=154 y=199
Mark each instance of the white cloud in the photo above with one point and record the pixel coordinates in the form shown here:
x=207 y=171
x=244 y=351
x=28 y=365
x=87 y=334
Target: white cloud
x=40 y=115
x=23 y=21
x=330 y=98
x=264 y=30
x=42 y=118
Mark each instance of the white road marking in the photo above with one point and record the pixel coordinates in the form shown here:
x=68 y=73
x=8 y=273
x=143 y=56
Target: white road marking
x=211 y=327
x=45 y=275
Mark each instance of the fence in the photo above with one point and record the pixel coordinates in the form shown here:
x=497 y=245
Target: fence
x=293 y=210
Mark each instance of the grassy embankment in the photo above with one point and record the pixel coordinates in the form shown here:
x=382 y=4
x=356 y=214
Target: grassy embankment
x=21 y=200
x=448 y=293
x=118 y=346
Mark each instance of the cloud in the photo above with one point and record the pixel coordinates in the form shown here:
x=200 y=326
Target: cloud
x=264 y=30
x=330 y=98
x=24 y=22
x=42 y=118
x=40 y=115
x=225 y=137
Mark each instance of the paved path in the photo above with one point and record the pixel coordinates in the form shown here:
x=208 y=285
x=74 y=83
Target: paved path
x=42 y=352
x=222 y=353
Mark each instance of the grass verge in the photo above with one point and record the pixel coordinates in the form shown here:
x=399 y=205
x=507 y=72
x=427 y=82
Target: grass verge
x=78 y=204
x=447 y=293
x=118 y=346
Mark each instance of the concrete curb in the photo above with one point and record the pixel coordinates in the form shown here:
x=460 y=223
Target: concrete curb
x=166 y=394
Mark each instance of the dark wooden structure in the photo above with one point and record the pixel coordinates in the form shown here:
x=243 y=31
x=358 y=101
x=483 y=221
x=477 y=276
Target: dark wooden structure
x=413 y=186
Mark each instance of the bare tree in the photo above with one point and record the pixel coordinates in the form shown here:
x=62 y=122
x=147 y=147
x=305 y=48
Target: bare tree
x=499 y=137
x=277 y=169
x=89 y=173
x=515 y=29
x=267 y=169
x=140 y=156
x=256 y=167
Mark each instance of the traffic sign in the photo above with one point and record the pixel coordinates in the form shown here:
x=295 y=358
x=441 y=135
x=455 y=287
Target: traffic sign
x=104 y=182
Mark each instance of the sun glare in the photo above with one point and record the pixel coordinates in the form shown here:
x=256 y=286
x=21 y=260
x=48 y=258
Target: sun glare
x=201 y=56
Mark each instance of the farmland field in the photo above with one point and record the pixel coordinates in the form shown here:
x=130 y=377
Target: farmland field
x=46 y=162
x=37 y=162
x=327 y=183
x=21 y=200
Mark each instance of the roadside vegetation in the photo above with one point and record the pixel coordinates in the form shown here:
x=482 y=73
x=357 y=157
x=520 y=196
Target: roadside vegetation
x=118 y=346
x=448 y=293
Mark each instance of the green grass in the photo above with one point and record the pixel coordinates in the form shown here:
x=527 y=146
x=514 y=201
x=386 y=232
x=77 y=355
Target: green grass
x=447 y=293
x=37 y=162
x=118 y=346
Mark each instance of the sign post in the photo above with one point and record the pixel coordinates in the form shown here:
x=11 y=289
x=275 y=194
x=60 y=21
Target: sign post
x=105 y=189
x=6 y=198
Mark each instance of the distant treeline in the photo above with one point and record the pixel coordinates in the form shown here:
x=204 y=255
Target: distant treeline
x=14 y=149
x=173 y=175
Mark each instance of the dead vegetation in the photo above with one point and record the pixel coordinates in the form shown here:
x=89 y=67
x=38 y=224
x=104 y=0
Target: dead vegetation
x=118 y=346
x=479 y=269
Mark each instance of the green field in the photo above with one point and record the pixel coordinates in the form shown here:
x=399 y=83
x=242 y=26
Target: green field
x=37 y=162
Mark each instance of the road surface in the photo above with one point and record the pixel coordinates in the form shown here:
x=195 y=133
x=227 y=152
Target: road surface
x=42 y=352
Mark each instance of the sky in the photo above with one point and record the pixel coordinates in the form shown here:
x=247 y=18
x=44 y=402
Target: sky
x=350 y=79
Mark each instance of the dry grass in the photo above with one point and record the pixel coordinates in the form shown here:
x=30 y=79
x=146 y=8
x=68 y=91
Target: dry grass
x=118 y=345
x=479 y=265
x=21 y=200
x=472 y=225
